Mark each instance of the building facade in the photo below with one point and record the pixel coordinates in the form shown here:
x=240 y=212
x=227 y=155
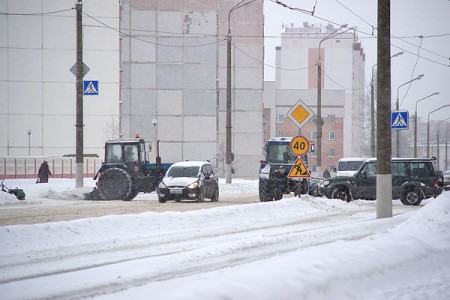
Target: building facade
x=174 y=79
x=161 y=68
x=343 y=103
x=37 y=88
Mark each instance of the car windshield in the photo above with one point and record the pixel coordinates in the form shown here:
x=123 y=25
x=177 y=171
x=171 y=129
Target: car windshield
x=280 y=153
x=183 y=171
x=349 y=165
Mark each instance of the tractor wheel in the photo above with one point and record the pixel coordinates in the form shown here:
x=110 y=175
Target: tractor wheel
x=115 y=184
x=132 y=195
x=264 y=194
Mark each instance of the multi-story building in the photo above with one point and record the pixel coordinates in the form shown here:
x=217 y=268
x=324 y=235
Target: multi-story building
x=37 y=88
x=174 y=70
x=161 y=68
x=342 y=92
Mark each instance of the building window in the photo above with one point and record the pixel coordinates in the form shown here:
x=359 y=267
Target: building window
x=313 y=154
x=331 y=152
x=331 y=136
x=313 y=135
x=280 y=118
x=331 y=118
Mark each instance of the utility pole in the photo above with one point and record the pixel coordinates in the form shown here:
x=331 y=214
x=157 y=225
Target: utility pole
x=79 y=98
x=384 y=175
x=372 y=117
x=229 y=156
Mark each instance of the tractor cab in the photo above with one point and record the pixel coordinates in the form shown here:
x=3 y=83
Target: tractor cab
x=127 y=151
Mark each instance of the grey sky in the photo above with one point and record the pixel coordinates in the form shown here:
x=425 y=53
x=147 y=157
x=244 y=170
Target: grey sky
x=409 y=20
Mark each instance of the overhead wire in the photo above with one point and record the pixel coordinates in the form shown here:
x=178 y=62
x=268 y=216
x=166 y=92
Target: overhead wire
x=373 y=35
x=412 y=74
x=146 y=41
x=37 y=14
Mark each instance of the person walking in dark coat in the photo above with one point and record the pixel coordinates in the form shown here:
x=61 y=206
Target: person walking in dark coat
x=44 y=172
x=326 y=174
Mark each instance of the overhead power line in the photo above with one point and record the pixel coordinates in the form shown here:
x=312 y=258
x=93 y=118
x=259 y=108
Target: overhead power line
x=37 y=14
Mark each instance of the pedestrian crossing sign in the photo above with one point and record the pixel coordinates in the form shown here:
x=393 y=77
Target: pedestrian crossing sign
x=399 y=119
x=90 y=88
x=299 y=170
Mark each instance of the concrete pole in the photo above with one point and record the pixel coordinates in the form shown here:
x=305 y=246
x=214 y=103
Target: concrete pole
x=228 y=117
x=79 y=98
x=384 y=147
x=372 y=118
x=319 y=116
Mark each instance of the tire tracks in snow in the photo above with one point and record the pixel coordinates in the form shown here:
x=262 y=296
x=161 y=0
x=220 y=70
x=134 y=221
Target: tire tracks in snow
x=135 y=262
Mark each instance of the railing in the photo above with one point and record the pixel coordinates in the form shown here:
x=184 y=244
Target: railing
x=61 y=167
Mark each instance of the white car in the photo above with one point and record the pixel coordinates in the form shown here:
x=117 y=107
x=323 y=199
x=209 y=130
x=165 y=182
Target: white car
x=189 y=180
x=447 y=179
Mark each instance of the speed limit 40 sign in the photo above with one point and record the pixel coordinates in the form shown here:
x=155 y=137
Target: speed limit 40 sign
x=299 y=145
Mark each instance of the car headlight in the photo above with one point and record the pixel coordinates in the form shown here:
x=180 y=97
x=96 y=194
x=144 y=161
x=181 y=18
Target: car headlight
x=325 y=183
x=193 y=185
x=162 y=185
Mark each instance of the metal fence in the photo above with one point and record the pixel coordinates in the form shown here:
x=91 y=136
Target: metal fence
x=61 y=167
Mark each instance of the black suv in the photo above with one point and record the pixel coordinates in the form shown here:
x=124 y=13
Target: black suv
x=413 y=179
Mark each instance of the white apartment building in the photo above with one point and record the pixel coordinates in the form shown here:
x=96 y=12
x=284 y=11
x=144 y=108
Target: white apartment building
x=153 y=60
x=37 y=88
x=174 y=71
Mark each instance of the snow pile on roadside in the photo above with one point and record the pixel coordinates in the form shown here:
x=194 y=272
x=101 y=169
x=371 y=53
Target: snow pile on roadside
x=433 y=217
x=390 y=265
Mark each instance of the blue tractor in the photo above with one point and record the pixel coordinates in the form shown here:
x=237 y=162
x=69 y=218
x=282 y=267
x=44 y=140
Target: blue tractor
x=274 y=170
x=126 y=171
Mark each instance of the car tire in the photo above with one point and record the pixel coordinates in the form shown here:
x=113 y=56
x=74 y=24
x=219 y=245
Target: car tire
x=161 y=200
x=264 y=195
x=341 y=193
x=411 y=196
x=215 y=196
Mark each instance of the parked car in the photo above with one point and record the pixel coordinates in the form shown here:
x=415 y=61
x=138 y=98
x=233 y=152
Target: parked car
x=446 y=180
x=348 y=166
x=314 y=184
x=189 y=180
x=413 y=179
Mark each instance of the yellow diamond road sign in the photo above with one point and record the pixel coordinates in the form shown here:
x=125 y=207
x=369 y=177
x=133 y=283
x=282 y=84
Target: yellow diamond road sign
x=299 y=170
x=300 y=113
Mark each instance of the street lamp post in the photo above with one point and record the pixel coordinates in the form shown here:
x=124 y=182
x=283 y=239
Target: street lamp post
x=415 y=122
x=29 y=142
x=446 y=157
x=428 y=128
x=228 y=154
x=319 y=121
x=372 y=109
x=437 y=142
x=397 y=107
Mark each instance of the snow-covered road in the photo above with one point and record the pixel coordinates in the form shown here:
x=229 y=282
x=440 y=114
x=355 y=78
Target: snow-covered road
x=232 y=252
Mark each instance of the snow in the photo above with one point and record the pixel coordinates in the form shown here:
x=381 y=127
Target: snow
x=296 y=248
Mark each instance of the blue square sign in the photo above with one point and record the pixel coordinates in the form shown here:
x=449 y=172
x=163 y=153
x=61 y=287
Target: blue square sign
x=400 y=119
x=90 y=88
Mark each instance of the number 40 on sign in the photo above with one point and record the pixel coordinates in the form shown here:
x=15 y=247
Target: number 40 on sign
x=299 y=145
